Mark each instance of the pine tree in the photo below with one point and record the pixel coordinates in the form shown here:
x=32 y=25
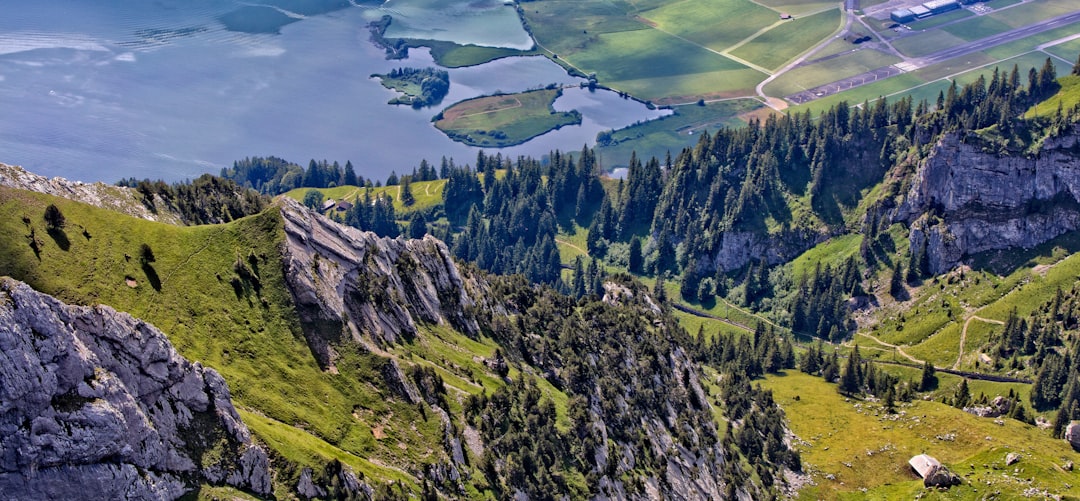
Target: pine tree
x=54 y=219
x=849 y=378
x=407 y=198
x=350 y=174
x=929 y=379
x=417 y=225
x=635 y=259
x=896 y=283
x=963 y=395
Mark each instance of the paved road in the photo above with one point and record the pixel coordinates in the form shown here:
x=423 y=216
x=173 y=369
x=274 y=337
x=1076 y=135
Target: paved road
x=937 y=57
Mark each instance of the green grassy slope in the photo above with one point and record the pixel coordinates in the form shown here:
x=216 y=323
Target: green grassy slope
x=306 y=415
x=848 y=446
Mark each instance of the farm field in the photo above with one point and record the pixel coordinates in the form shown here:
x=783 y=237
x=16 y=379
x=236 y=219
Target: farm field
x=784 y=42
x=707 y=15
x=798 y=7
x=672 y=52
x=641 y=63
x=504 y=120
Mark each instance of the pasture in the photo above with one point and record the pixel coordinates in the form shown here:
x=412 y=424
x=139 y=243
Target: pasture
x=697 y=20
x=852 y=448
x=787 y=40
x=674 y=52
x=504 y=120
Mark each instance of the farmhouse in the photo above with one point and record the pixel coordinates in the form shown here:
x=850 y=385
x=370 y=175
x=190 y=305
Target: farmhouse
x=328 y=204
x=343 y=206
x=923 y=464
x=902 y=15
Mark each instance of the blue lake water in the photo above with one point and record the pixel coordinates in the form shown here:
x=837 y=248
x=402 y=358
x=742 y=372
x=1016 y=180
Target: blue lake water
x=106 y=90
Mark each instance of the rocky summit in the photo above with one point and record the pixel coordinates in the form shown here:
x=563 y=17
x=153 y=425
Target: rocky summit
x=95 y=404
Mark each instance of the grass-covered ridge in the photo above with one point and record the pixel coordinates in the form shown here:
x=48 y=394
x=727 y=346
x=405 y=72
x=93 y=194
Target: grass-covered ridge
x=504 y=120
x=245 y=329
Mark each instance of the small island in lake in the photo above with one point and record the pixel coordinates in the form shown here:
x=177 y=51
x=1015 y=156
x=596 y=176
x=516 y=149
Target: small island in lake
x=420 y=86
x=505 y=119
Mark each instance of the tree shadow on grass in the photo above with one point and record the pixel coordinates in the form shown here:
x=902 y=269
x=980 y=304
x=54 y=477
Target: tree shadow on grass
x=60 y=238
x=152 y=276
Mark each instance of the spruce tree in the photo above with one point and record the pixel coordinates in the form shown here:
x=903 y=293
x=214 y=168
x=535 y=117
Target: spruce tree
x=929 y=379
x=849 y=378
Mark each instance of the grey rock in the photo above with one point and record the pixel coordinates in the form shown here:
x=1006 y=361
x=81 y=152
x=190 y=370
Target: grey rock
x=738 y=248
x=350 y=284
x=940 y=476
x=1072 y=435
x=1000 y=406
x=307 y=488
x=1012 y=458
x=101 y=405
x=990 y=200
x=123 y=200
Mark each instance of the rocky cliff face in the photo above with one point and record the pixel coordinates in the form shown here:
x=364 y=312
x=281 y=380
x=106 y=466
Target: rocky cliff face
x=95 y=404
x=122 y=200
x=964 y=200
x=350 y=284
x=739 y=248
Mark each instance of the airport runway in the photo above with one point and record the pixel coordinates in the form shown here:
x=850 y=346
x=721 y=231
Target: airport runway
x=937 y=57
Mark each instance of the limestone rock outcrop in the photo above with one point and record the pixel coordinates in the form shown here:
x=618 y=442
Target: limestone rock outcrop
x=964 y=200
x=940 y=476
x=95 y=404
x=1072 y=435
x=348 y=283
x=123 y=200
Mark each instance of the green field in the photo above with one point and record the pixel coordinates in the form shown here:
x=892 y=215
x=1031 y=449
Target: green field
x=808 y=77
x=976 y=28
x=784 y=42
x=1066 y=50
x=926 y=43
x=1068 y=97
x=697 y=21
x=671 y=52
x=799 y=7
x=672 y=133
x=504 y=120
x=1033 y=12
x=852 y=450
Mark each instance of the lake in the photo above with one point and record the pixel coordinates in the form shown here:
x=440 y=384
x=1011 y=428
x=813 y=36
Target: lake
x=98 y=91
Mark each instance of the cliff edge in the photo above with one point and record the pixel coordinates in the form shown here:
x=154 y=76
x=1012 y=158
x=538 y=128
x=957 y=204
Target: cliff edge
x=95 y=404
